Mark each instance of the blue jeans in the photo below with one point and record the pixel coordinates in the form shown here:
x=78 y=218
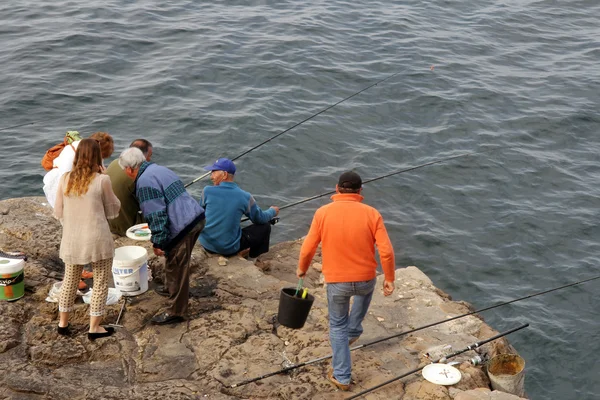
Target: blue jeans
x=345 y=324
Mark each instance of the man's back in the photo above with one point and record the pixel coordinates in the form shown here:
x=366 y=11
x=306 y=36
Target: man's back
x=225 y=205
x=124 y=189
x=167 y=206
x=348 y=231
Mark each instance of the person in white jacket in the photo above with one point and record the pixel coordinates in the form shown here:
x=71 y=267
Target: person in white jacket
x=64 y=163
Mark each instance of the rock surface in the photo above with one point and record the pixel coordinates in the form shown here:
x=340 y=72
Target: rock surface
x=231 y=335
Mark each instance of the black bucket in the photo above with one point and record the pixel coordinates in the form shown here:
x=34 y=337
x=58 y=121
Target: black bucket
x=293 y=310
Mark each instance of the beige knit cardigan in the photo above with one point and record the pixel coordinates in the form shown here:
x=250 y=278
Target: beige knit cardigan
x=86 y=235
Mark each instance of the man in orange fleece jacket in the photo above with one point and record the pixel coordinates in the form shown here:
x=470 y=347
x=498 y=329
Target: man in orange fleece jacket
x=348 y=231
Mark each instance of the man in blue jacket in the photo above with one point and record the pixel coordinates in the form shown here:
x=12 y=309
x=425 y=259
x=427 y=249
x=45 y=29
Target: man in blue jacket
x=175 y=220
x=225 y=204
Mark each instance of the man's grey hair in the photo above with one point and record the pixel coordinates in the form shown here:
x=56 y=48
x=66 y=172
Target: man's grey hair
x=131 y=158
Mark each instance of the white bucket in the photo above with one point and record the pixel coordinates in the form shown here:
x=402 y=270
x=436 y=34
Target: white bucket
x=130 y=270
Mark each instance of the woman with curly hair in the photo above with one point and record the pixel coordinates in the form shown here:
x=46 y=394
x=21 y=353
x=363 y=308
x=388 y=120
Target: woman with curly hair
x=84 y=202
x=107 y=145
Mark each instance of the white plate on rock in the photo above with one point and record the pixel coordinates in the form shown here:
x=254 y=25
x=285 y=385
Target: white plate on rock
x=441 y=374
x=139 y=232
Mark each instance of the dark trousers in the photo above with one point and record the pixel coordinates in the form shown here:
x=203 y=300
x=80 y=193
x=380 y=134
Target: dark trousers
x=256 y=237
x=177 y=271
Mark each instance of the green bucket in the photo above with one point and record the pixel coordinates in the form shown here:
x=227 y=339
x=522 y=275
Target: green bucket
x=12 y=285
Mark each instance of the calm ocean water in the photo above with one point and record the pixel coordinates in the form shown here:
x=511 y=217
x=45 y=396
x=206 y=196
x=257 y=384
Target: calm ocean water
x=203 y=80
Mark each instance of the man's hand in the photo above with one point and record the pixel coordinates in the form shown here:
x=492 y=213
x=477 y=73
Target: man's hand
x=388 y=287
x=158 y=252
x=299 y=273
x=276 y=210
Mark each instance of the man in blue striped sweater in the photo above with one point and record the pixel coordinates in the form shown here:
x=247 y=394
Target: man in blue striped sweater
x=175 y=220
x=225 y=204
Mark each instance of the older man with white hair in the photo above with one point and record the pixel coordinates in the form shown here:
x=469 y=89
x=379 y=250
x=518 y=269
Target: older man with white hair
x=124 y=188
x=175 y=220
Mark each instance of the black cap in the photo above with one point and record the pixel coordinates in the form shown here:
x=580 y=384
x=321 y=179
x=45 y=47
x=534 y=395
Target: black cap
x=350 y=180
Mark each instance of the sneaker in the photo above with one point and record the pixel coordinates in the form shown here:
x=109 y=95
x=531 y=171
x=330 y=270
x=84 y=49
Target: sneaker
x=353 y=340
x=338 y=384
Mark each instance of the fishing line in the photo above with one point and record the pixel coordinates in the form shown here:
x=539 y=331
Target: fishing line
x=16 y=126
x=295 y=366
x=299 y=123
x=390 y=174
x=443 y=359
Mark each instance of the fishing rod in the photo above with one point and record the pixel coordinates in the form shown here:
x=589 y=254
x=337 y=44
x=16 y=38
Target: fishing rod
x=390 y=174
x=396 y=173
x=443 y=359
x=16 y=126
x=295 y=366
x=299 y=123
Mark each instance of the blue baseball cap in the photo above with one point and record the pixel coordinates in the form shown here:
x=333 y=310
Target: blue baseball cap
x=222 y=164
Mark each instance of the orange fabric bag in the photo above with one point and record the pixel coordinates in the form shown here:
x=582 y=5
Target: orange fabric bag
x=54 y=151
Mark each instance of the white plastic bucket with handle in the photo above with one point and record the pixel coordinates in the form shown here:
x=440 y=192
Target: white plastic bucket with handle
x=130 y=270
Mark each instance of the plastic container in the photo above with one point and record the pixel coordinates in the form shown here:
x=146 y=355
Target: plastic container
x=507 y=374
x=130 y=270
x=12 y=279
x=113 y=297
x=293 y=310
x=54 y=293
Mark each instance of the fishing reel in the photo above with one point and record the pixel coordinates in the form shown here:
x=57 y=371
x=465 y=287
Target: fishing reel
x=479 y=359
x=274 y=220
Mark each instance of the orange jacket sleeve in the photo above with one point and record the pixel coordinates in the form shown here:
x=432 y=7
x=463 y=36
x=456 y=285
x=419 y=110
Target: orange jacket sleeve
x=386 y=251
x=311 y=242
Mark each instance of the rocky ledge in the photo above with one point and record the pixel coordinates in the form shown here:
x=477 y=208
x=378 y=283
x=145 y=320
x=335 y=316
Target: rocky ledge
x=231 y=335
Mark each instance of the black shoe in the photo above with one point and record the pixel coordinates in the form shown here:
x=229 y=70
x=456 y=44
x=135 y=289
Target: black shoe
x=166 y=318
x=64 y=330
x=162 y=290
x=96 y=335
